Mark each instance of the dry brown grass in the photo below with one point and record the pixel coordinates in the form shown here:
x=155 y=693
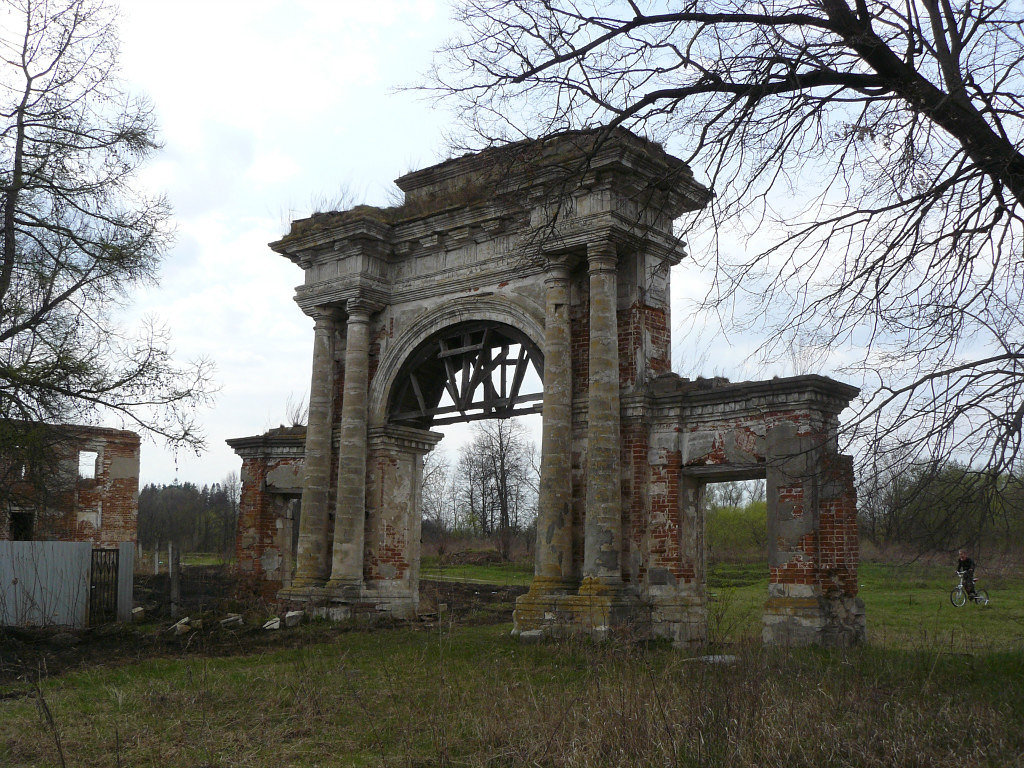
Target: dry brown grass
x=471 y=697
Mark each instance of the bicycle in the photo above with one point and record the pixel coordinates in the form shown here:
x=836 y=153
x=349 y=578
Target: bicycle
x=958 y=596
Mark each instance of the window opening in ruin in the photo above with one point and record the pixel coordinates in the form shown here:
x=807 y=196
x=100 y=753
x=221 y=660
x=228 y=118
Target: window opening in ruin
x=87 y=461
x=21 y=526
x=735 y=534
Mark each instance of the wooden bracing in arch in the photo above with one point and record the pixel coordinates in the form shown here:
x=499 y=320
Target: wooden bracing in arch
x=482 y=367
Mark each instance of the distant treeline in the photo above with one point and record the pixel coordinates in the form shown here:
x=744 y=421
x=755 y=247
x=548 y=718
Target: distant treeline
x=942 y=506
x=915 y=509
x=195 y=519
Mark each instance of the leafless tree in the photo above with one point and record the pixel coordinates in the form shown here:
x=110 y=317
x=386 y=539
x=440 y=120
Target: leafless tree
x=875 y=146
x=76 y=236
x=496 y=480
x=296 y=410
x=436 y=491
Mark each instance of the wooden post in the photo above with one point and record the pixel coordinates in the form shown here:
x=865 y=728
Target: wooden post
x=174 y=568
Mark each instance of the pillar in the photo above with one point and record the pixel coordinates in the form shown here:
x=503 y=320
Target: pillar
x=812 y=553
x=350 y=510
x=311 y=555
x=553 y=568
x=603 y=526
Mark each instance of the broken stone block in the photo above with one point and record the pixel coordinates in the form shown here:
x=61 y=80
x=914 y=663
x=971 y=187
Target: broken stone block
x=531 y=636
x=274 y=623
x=138 y=614
x=231 y=620
x=720 y=658
x=292 y=618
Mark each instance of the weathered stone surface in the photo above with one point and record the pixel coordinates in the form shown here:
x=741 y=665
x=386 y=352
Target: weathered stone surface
x=575 y=270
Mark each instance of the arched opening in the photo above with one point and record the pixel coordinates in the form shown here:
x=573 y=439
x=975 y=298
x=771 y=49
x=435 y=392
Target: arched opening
x=480 y=383
x=466 y=372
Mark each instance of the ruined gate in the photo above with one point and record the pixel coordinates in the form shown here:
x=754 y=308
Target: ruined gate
x=552 y=255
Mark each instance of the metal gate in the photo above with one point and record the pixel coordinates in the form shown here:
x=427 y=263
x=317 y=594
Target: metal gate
x=103 y=587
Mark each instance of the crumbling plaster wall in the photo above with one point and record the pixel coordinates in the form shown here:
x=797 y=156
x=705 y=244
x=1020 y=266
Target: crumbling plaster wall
x=103 y=509
x=271 y=480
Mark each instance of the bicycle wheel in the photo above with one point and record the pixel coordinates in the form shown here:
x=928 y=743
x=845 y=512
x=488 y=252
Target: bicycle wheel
x=958 y=597
x=981 y=597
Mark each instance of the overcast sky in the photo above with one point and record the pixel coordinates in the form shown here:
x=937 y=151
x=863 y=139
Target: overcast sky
x=269 y=110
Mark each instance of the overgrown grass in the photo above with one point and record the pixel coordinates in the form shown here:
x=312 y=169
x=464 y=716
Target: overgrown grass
x=935 y=686
x=473 y=697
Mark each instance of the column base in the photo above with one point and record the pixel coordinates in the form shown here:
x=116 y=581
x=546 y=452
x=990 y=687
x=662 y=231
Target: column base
x=344 y=589
x=304 y=590
x=547 y=585
x=342 y=601
x=679 y=614
x=810 y=619
x=598 y=609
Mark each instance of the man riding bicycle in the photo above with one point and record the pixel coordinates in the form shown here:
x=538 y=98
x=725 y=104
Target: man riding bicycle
x=965 y=567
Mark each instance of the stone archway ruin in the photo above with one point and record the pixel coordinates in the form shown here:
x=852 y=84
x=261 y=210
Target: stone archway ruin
x=561 y=246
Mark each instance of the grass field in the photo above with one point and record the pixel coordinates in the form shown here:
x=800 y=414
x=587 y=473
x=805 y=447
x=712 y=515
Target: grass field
x=907 y=605
x=516 y=574
x=935 y=686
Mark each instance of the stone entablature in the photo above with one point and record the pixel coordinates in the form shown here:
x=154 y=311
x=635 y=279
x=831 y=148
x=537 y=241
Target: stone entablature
x=575 y=265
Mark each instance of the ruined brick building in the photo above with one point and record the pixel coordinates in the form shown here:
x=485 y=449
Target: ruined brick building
x=90 y=494
x=554 y=256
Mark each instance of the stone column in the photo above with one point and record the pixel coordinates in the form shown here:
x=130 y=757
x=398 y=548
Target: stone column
x=350 y=511
x=311 y=557
x=553 y=569
x=603 y=541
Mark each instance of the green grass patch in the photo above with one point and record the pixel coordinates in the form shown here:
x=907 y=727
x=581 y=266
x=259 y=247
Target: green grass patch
x=470 y=696
x=907 y=607
x=204 y=558
x=504 y=574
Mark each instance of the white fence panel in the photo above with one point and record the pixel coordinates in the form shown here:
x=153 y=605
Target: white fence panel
x=44 y=583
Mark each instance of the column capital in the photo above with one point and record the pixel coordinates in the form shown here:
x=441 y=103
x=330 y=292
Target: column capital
x=360 y=309
x=557 y=268
x=324 y=316
x=602 y=256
